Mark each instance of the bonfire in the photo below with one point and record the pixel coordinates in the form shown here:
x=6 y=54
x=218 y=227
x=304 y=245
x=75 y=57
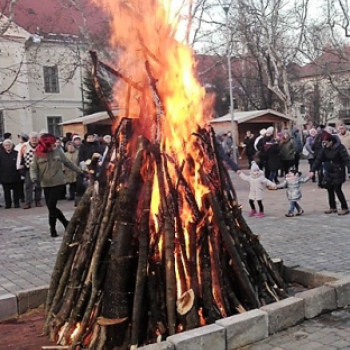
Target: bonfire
x=157 y=245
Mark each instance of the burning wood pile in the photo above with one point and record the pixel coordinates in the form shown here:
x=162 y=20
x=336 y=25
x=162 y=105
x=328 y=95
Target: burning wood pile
x=157 y=244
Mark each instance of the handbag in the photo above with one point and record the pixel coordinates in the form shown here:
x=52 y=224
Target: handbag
x=305 y=152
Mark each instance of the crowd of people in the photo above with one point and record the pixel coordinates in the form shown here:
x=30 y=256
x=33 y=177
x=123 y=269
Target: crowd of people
x=274 y=155
x=41 y=163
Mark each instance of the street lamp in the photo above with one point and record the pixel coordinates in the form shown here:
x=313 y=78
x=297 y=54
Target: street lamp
x=226 y=7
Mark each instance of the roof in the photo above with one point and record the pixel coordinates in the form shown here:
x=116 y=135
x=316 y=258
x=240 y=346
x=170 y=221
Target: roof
x=90 y=119
x=242 y=117
x=45 y=17
x=332 y=60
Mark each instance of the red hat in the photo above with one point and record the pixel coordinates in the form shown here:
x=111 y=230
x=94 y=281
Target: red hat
x=327 y=137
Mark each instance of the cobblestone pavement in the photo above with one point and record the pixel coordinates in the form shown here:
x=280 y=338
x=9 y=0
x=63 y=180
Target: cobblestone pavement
x=315 y=240
x=328 y=332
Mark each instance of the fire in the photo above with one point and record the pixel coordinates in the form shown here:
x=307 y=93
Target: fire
x=75 y=332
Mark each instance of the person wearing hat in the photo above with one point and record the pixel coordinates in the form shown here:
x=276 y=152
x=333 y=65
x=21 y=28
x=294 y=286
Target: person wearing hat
x=335 y=158
x=257 y=183
x=23 y=138
x=76 y=141
x=262 y=154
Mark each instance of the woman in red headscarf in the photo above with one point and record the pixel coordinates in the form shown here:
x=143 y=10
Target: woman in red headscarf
x=46 y=171
x=334 y=158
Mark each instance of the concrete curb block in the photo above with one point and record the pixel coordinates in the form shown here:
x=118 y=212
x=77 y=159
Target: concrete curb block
x=318 y=301
x=342 y=291
x=202 y=338
x=31 y=299
x=331 y=291
x=246 y=328
x=8 y=306
x=284 y=314
x=164 y=345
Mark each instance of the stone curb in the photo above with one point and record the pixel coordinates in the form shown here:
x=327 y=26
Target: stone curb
x=330 y=291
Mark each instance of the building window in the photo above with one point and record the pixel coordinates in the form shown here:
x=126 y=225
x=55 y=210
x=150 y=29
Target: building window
x=53 y=125
x=51 y=79
x=2 y=125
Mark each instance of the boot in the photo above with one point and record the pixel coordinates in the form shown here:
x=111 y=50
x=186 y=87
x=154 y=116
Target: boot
x=300 y=212
x=330 y=211
x=62 y=218
x=52 y=223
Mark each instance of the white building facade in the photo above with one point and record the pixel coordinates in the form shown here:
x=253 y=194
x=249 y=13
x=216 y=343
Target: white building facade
x=41 y=81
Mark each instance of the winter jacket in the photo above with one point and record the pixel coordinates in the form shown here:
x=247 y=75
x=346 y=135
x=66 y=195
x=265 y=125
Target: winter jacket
x=308 y=145
x=48 y=169
x=292 y=184
x=224 y=157
x=298 y=141
x=257 y=183
x=8 y=169
x=334 y=159
x=345 y=140
x=87 y=149
x=25 y=155
x=287 y=149
x=261 y=149
x=249 y=143
x=272 y=150
x=69 y=174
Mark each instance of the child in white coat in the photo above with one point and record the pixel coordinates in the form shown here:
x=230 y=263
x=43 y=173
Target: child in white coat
x=257 y=183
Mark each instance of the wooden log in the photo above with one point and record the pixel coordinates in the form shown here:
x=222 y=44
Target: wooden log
x=214 y=250
x=187 y=311
x=211 y=313
x=239 y=269
x=115 y=304
x=168 y=246
x=105 y=229
x=78 y=270
x=141 y=276
x=79 y=217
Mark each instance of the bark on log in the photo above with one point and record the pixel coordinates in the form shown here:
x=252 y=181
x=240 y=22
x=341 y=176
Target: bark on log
x=139 y=296
x=79 y=217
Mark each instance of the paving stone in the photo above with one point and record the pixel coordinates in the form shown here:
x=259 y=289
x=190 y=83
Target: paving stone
x=202 y=338
x=245 y=328
x=318 y=300
x=284 y=314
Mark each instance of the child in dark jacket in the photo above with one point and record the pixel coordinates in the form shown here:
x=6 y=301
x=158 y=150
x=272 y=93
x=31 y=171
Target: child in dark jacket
x=292 y=183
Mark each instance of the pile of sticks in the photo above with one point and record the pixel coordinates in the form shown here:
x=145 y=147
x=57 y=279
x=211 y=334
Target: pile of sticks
x=127 y=276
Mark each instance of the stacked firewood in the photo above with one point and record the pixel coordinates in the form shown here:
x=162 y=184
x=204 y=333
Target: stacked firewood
x=147 y=255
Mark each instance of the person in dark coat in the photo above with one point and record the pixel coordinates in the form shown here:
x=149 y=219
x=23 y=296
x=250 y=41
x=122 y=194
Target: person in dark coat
x=335 y=158
x=86 y=150
x=317 y=148
x=250 y=150
x=272 y=151
x=298 y=146
x=9 y=175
